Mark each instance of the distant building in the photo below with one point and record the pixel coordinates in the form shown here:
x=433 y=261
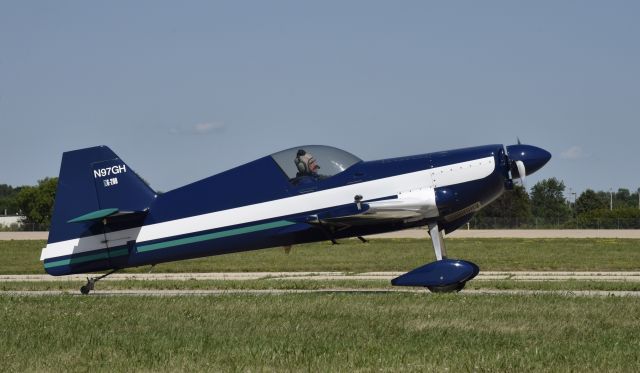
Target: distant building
x=7 y=221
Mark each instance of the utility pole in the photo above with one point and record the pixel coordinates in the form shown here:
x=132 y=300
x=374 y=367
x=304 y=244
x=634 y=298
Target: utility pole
x=610 y=199
x=572 y=205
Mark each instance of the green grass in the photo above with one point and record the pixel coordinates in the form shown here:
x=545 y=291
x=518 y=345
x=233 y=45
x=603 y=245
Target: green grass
x=330 y=331
x=386 y=255
x=21 y=256
x=320 y=332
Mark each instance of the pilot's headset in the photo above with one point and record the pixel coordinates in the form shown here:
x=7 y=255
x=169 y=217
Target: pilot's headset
x=302 y=162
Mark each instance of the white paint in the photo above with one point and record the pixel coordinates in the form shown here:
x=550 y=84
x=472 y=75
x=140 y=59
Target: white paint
x=108 y=171
x=90 y=243
x=438 y=242
x=417 y=187
x=421 y=202
x=395 y=185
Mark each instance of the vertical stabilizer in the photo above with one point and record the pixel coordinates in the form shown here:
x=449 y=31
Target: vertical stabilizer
x=91 y=180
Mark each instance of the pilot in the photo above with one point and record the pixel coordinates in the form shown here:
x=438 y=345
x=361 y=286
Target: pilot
x=306 y=164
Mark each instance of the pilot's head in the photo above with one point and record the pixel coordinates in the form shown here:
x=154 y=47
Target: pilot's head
x=305 y=163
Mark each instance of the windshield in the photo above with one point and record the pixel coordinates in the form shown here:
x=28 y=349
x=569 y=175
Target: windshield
x=314 y=160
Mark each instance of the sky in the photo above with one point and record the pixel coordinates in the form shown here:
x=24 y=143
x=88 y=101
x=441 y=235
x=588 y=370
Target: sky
x=185 y=90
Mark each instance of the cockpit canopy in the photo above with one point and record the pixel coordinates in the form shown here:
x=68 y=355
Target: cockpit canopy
x=330 y=161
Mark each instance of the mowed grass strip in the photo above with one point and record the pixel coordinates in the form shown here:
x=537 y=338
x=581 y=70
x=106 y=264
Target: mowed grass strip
x=320 y=332
x=266 y=284
x=22 y=257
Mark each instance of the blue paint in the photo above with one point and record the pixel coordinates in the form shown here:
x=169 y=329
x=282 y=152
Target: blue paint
x=95 y=179
x=81 y=191
x=439 y=273
x=533 y=157
x=171 y=243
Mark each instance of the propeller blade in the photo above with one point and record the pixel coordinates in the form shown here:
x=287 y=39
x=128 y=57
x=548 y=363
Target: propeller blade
x=522 y=172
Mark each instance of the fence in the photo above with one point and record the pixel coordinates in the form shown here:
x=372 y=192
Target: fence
x=24 y=227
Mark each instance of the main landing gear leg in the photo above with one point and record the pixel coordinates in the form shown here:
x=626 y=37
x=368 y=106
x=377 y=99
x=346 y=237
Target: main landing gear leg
x=438 y=242
x=91 y=282
x=441 y=253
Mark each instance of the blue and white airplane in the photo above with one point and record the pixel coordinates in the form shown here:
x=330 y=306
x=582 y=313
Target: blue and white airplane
x=107 y=218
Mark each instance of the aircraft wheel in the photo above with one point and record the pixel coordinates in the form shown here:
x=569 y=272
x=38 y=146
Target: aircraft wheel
x=84 y=289
x=453 y=288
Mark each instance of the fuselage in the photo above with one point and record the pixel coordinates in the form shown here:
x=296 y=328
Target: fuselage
x=257 y=206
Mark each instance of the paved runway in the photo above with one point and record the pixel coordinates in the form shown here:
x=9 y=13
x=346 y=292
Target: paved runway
x=484 y=275
x=324 y=276
x=174 y=293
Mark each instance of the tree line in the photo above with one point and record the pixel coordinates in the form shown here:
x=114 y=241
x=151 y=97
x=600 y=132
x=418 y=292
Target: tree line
x=546 y=205
x=34 y=203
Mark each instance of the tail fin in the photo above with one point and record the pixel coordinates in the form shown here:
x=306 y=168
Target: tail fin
x=91 y=180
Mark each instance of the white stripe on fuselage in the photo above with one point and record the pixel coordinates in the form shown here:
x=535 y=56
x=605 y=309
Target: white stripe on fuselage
x=428 y=178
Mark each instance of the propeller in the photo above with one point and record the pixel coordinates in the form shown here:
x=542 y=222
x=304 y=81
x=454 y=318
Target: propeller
x=525 y=160
x=516 y=160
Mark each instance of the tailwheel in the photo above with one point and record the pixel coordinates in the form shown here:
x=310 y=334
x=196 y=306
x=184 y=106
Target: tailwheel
x=91 y=282
x=453 y=288
x=85 y=289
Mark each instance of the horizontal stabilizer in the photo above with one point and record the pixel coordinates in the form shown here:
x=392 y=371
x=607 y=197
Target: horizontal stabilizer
x=94 y=215
x=105 y=213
